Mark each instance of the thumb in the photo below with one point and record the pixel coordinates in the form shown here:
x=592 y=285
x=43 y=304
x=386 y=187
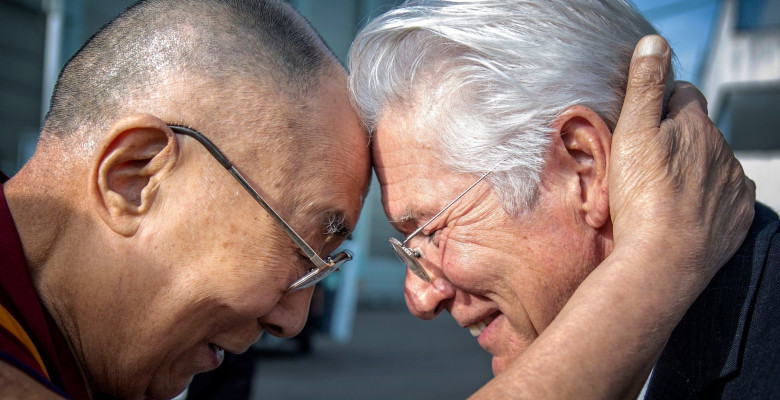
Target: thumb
x=647 y=78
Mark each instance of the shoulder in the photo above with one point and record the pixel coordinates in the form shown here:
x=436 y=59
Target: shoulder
x=760 y=353
x=728 y=343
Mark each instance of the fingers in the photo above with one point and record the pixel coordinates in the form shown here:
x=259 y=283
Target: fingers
x=643 y=104
x=751 y=189
x=686 y=95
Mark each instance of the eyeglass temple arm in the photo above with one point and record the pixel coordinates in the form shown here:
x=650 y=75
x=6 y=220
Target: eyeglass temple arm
x=408 y=238
x=313 y=256
x=316 y=259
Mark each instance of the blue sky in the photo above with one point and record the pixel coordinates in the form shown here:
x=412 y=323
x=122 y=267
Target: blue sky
x=686 y=24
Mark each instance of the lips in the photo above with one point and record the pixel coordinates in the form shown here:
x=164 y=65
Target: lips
x=478 y=327
x=227 y=345
x=219 y=352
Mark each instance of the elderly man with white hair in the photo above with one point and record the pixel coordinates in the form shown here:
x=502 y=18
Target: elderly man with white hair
x=492 y=140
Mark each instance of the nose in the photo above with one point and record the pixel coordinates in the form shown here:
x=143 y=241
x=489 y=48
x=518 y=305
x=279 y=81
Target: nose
x=288 y=317
x=427 y=299
x=239 y=337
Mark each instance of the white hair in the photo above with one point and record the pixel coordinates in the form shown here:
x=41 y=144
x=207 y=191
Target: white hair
x=497 y=73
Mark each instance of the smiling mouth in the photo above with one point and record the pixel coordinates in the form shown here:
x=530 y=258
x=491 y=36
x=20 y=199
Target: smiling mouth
x=478 y=327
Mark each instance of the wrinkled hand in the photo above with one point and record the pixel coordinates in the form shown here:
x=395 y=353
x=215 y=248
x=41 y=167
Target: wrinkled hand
x=675 y=184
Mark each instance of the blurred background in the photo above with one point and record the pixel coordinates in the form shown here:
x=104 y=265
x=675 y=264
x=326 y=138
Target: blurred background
x=360 y=342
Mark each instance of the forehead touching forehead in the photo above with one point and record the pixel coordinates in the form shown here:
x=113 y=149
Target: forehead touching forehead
x=332 y=159
x=309 y=153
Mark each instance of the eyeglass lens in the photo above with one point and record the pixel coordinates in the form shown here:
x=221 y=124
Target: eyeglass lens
x=409 y=257
x=317 y=274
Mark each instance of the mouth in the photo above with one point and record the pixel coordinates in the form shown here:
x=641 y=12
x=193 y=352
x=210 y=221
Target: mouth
x=220 y=352
x=478 y=327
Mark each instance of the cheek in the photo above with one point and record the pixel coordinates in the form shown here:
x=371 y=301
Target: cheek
x=468 y=264
x=141 y=357
x=172 y=378
x=513 y=343
x=233 y=297
x=552 y=281
x=250 y=276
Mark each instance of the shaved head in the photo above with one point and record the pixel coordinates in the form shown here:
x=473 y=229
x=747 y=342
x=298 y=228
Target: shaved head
x=155 y=47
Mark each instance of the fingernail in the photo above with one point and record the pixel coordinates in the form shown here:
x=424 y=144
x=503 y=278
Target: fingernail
x=651 y=45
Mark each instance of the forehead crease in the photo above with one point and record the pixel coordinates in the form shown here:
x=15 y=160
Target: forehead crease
x=330 y=191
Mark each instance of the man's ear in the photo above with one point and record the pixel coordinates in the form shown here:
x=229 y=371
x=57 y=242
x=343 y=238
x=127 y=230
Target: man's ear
x=587 y=140
x=130 y=162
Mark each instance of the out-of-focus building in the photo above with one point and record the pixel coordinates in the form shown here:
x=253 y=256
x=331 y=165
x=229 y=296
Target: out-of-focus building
x=36 y=38
x=740 y=76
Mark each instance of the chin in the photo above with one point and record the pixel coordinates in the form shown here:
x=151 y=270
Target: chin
x=499 y=365
x=168 y=391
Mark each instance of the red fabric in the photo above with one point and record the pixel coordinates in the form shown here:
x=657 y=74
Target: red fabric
x=17 y=351
x=18 y=296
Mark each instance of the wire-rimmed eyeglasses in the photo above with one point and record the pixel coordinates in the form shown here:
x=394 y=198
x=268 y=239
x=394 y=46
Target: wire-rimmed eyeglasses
x=410 y=256
x=323 y=267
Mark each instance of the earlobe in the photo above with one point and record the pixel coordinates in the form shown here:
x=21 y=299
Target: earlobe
x=587 y=140
x=131 y=160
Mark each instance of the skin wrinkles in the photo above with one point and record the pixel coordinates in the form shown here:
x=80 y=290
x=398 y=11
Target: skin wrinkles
x=522 y=267
x=163 y=256
x=289 y=132
x=281 y=241
x=322 y=223
x=311 y=205
x=313 y=208
x=198 y=269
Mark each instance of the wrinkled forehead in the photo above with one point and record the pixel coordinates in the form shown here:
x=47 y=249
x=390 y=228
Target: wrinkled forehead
x=413 y=179
x=332 y=160
x=308 y=155
x=333 y=179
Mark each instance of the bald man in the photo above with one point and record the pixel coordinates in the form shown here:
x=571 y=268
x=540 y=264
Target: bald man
x=139 y=258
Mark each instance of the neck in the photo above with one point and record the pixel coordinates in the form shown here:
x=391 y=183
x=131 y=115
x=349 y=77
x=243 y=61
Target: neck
x=606 y=241
x=46 y=226
x=36 y=217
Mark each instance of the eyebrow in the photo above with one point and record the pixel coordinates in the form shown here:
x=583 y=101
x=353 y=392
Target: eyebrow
x=409 y=215
x=334 y=223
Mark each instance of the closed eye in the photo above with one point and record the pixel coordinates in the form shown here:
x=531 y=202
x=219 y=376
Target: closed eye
x=432 y=236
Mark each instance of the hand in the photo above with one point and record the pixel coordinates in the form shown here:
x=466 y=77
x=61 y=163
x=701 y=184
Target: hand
x=681 y=206
x=675 y=184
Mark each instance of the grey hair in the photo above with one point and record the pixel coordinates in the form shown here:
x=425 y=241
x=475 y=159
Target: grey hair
x=497 y=73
